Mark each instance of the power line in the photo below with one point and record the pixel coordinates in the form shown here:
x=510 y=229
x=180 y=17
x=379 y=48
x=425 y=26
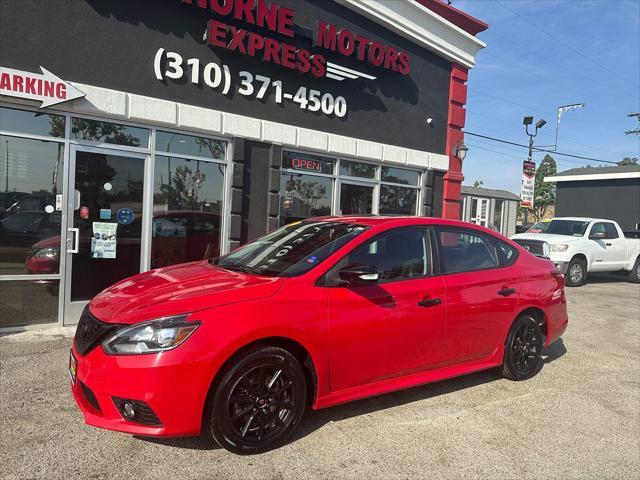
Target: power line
x=472 y=113
x=514 y=156
x=570 y=47
x=539 y=149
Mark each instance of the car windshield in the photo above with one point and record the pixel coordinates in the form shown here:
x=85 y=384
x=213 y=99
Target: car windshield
x=540 y=227
x=291 y=250
x=574 y=228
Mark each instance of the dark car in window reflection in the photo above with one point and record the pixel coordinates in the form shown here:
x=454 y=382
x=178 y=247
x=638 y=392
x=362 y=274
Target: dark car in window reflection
x=177 y=237
x=19 y=232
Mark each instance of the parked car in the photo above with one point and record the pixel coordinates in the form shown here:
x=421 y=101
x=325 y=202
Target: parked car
x=317 y=313
x=177 y=236
x=579 y=246
x=20 y=231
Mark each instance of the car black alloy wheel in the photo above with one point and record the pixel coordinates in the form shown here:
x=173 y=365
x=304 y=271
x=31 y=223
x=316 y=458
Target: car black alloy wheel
x=523 y=349
x=634 y=274
x=259 y=401
x=260 y=406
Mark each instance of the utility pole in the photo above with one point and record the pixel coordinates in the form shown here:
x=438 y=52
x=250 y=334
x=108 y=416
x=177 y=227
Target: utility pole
x=637 y=130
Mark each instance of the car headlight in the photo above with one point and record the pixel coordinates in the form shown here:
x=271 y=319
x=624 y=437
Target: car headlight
x=46 y=253
x=559 y=247
x=150 y=337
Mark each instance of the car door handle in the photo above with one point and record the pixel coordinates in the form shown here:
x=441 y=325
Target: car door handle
x=608 y=244
x=429 y=302
x=505 y=292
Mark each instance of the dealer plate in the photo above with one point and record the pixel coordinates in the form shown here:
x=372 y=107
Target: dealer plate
x=73 y=367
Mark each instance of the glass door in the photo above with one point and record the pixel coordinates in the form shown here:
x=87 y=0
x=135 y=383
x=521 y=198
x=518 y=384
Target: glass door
x=480 y=211
x=355 y=198
x=104 y=227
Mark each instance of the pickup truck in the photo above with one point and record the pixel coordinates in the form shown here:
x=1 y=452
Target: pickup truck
x=578 y=246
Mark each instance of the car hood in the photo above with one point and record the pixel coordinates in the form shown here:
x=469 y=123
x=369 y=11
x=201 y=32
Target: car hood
x=547 y=237
x=184 y=288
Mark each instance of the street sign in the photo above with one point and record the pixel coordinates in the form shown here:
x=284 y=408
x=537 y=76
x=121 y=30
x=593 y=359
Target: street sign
x=46 y=88
x=528 y=184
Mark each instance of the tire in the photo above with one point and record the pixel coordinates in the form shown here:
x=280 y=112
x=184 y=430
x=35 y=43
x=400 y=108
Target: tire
x=634 y=274
x=258 y=401
x=576 y=275
x=523 y=349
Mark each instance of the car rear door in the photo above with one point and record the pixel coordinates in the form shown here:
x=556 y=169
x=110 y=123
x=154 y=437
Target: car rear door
x=392 y=328
x=483 y=291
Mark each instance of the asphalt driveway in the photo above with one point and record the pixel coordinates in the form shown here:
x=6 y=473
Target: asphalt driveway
x=578 y=418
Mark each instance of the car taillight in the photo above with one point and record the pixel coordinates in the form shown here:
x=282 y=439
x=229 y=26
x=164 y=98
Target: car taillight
x=558 y=293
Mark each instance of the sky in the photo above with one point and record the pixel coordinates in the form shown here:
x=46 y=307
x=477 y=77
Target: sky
x=542 y=54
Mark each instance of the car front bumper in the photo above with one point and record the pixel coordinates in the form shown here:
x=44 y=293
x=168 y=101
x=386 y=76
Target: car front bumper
x=168 y=393
x=561 y=266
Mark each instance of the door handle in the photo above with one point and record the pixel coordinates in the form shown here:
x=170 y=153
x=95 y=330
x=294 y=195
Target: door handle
x=608 y=244
x=429 y=302
x=505 y=292
x=76 y=240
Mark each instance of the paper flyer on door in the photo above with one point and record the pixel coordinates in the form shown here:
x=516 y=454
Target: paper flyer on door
x=103 y=241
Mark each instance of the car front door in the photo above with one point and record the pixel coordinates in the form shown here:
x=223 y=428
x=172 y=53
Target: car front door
x=483 y=291
x=391 y=328
x=610 y=251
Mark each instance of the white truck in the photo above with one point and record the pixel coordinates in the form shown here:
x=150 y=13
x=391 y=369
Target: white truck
x=579 y=246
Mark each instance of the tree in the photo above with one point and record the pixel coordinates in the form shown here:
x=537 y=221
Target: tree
x=628 y=161
x=478 y=183
x=544 y=194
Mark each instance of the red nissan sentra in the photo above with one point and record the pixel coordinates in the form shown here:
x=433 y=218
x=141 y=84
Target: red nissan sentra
x=317 y=313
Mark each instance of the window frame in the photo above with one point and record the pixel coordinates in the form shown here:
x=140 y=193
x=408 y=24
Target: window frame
x=469 y=231
x=376 y=182
x=432 y=258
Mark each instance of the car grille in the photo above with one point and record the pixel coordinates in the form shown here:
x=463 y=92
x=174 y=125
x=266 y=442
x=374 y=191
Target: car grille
x=534 y=246
x=90 y=332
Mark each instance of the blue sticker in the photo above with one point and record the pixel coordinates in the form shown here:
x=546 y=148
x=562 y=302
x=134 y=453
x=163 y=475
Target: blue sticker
x=312 y=259
x=105 y=214
x=125 y=216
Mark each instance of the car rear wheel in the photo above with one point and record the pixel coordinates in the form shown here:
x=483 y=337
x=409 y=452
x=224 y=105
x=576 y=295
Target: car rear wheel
x=576 y=273
x=523 y=350
x=634 y=275
x=258 y=401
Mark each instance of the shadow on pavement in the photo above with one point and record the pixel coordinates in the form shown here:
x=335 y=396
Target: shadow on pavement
x=315 y=419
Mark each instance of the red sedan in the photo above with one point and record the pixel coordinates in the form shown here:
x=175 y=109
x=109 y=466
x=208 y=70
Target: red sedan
x=317 y=313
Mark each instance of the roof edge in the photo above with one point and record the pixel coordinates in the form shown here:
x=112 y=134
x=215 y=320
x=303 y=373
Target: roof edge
x=459 y=18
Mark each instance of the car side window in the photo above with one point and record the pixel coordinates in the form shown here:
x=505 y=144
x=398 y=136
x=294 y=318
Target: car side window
x=611 y=230
x=506 y=253
x=597 y=228
x=463 y=250
x=401 y=254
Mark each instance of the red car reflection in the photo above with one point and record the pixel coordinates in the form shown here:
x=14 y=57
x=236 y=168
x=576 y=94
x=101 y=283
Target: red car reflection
x=178 y=236
x=317 y=313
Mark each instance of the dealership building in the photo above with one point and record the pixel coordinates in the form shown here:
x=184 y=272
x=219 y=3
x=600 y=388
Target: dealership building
x=138 y=134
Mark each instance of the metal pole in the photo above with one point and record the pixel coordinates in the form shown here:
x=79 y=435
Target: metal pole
x=6 y=181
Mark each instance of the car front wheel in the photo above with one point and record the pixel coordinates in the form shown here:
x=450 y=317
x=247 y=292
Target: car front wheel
x=576 y=273
x=523 y=350
x=258 y=401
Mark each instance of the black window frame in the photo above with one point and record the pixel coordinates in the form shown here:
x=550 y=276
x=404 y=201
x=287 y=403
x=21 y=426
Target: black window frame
x=492 y=241
x=433 y=258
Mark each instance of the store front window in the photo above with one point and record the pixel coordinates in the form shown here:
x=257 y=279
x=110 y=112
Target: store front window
x=312 y=186
x=187 y=200
x=85 y=203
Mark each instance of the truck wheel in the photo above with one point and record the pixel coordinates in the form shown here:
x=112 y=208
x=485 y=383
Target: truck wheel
x=576 y=273
x=634 y=274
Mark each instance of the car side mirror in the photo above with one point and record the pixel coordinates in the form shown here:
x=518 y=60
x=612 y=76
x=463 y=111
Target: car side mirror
x=359 y=275
x=598 y=236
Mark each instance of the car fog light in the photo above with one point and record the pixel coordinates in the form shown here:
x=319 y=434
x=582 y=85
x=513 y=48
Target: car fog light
x=128 y=410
